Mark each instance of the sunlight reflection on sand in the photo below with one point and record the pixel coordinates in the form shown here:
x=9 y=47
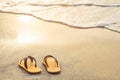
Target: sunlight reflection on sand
x=26 y=35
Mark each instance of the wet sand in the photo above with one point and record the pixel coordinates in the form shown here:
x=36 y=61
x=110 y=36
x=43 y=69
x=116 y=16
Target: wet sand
x=84 y=54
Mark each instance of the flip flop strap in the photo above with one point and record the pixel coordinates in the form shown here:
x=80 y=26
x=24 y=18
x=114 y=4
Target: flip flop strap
x=33 y=59
x=45 y=58
x=25 y=61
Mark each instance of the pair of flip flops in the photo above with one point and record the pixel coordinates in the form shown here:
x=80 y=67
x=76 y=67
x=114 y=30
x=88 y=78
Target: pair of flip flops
x=29 y=64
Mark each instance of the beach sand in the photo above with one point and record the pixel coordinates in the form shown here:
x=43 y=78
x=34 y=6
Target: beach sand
x=84 y=54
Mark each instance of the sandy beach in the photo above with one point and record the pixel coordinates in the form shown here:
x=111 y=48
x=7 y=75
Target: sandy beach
x=84 y=54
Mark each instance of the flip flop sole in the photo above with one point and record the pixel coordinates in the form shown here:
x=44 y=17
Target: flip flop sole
x=51 y=64
x=32 y=70
x=58 y=70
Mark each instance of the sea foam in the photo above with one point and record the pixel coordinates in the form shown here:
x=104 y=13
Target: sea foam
x=74 y=13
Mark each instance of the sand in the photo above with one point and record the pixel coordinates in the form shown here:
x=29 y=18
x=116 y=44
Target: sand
x=84 y=54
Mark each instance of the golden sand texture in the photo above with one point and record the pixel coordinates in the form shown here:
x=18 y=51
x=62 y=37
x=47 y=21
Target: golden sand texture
x=84 y=54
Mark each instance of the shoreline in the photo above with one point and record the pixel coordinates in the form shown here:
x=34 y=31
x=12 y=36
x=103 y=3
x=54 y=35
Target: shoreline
x=57 y=22
x=86 y=54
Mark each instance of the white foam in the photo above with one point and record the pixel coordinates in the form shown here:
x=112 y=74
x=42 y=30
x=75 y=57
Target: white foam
x=104 y=13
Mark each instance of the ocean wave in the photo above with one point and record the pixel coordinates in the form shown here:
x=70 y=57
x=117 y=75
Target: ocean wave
x=72 y=13
x=69 y=2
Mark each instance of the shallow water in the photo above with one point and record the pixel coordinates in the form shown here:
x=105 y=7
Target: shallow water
x=74 y=13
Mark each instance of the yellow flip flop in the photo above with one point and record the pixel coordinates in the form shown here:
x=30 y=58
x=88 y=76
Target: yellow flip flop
x=51 y=64
x=29 y=64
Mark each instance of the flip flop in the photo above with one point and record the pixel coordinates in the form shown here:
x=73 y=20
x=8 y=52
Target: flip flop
x=29 y=64
x=51 y=64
